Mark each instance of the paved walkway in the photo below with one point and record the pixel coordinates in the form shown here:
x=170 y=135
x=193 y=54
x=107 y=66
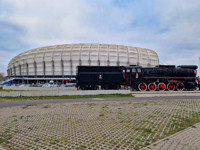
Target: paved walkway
x=35 y=102
x=164 y=93
x=103 y=125
x=188 y=139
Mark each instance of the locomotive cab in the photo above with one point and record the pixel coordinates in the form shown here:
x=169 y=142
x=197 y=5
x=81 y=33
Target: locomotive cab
x=132 y=75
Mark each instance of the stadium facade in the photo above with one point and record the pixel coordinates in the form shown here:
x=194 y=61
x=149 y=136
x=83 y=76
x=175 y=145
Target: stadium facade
x=59 y=62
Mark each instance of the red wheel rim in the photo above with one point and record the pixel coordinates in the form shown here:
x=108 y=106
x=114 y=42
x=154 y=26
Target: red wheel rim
x=142 y=87
x=152 y=86
x=161 y=86
x=180 y=86
x=171 y=86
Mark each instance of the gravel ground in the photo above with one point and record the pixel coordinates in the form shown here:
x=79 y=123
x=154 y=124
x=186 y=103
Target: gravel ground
x=95 y=125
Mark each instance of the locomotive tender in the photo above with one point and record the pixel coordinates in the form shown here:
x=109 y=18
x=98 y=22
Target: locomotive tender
x=162 y=77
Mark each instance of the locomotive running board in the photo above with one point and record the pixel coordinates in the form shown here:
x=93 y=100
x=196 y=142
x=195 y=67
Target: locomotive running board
x=171 y=77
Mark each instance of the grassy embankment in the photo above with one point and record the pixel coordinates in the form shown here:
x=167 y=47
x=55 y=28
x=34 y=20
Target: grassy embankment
x=2 y=90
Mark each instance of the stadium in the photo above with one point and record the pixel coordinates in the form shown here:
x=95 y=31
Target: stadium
x=58 y=63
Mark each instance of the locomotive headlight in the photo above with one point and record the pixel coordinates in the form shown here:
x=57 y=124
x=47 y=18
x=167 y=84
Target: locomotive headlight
x=195 y=71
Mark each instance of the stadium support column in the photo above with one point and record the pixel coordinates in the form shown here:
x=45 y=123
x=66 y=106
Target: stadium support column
x=14 y=71
x=27 y=69
x=44 y=68
x=118 y=56
x=52 y=62
x=138 y=57
x=35 y=69
x=8 y=72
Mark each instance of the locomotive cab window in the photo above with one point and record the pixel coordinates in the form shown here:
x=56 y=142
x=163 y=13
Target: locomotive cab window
x=133 y=70
x=139 y=70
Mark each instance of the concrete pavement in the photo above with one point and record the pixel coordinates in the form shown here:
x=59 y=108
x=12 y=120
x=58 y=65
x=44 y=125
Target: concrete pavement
x=35 y=102
x=188 y=139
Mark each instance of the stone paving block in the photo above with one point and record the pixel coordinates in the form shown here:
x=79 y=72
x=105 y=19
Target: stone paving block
x=101 y=125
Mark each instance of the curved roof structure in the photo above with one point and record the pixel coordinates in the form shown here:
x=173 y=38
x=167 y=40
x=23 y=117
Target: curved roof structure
x=63 y=59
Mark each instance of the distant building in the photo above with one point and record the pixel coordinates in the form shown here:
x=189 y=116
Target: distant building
x=59 y=62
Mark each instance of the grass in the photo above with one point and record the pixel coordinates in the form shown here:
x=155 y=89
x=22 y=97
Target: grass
x=147 y=131
x=2 y=90
x=182 y=124
x=65 y=97
x=101 y=115
x=5 y=137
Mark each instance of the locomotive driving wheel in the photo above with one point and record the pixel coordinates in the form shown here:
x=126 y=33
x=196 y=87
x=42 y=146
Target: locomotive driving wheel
x=161 y=86
x=171 y=86
x=152 y=86
x=142 y=87
x=180 y=86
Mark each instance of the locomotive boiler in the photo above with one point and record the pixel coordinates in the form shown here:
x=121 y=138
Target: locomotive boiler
x=162 y=77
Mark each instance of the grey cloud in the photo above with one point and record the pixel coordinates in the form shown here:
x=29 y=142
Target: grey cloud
x=169 y=27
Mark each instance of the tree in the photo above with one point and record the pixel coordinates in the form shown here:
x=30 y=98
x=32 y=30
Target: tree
x=2 y=74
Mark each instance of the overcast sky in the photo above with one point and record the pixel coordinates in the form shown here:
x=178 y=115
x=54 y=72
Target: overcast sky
x=169 y=27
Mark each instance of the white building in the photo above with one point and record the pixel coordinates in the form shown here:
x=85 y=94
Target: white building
x=60 y=61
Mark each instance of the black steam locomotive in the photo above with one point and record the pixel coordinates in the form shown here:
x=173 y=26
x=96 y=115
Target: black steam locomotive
x=162 y=77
